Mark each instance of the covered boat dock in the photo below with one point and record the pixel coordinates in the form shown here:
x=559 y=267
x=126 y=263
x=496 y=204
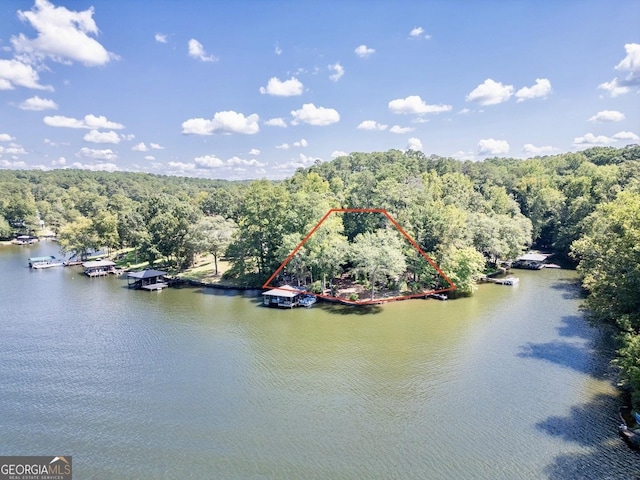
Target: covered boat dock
x=285 y=296
x=151 y=280
x=98 y=268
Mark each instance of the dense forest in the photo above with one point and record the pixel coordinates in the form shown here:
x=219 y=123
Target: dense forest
x=467 y=216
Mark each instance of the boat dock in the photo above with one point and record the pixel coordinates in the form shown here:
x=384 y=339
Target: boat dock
x=511 y=281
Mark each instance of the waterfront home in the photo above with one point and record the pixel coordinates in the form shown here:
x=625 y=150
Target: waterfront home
x=97 y=268
x=285 y=296
x=147 y=280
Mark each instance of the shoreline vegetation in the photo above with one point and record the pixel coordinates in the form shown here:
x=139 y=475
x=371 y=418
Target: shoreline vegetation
x=468 y=217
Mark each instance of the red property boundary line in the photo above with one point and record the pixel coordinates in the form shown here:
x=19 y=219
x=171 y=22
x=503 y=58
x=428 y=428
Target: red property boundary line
x=382 y=211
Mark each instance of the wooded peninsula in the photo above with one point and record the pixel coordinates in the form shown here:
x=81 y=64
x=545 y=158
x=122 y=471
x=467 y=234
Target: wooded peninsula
x=469 y=217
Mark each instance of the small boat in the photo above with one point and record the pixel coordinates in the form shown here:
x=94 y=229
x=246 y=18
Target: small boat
x=45 y=262
x=438 y=296
x=53 y=263
x=307 y=300
x=628 y=428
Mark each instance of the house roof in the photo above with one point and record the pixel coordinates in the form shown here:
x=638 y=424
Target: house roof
x=283 y=291
x=146 y=274
x=98 y=264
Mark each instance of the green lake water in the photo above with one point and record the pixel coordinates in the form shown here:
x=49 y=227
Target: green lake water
x=198 y=383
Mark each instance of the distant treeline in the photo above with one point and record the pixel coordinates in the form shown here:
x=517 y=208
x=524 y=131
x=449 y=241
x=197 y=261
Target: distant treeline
x=465 y=215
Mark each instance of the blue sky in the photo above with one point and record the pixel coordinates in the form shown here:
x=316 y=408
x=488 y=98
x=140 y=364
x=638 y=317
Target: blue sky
x=255 y=89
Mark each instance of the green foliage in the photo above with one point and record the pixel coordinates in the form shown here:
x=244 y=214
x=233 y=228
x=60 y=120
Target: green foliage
x=609 y=255
x=610 y=261
x=378 y=257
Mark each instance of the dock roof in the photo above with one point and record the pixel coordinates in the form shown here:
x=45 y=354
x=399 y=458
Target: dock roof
x=284 y=291
x=98 y=264
x=533 y=257
x=146 y=274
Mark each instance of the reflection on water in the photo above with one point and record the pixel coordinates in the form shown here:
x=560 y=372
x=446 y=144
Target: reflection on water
x=197 y=383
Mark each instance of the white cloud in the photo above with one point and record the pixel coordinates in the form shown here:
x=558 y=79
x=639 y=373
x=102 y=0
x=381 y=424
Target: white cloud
x=149 y=158
x=400 y=130
x=313 y=115
x=462 y=155
x=277 y=50
x=5 y=137
x=490 y=92
x=414 y=144
x=89 y=121
x=156 y=146
x=338 y=72
x=160 y=38
x=106 y=154
x=363 y=51
x=196 y=50
x=254 y=151
x=630 y=63
x=276 y=122
x=371 y=125
x=140 y=147
x=413 y=104
x=222 y=122
x=95 y=136
x=490 y=146
x=591 y=139
x=13 y=149
x=36 y=104
x=416 y=32
x=302 y=143
x=59 y=162
x=607 y=116
x=283 y=146
x=237 y=161
x=338 y=153
x=626 y=136
x=531 y=149
x=542 y=88
x=63 y=35
x=181 y=166
x=286 y=88
x=209 y=161
x=614 y=88
x=14 y=73
x=12 y=165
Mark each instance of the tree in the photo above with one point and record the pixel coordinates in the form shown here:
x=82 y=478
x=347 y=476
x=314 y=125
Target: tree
x=105 y=224
x=610 y=261
x=609 y=265
x=378 y=256
x=78 y=237
x=5 y=229
x=464 y=267
x=265 y=217
x=213 y=235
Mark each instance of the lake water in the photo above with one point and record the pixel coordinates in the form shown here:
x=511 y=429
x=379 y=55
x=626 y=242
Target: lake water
x=197 y=383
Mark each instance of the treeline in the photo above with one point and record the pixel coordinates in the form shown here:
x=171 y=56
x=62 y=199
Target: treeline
x=583 y=205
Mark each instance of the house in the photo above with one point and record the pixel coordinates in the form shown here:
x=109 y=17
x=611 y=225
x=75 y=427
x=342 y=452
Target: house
x=147 y=280
x=97 y=268
x=285 y=296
